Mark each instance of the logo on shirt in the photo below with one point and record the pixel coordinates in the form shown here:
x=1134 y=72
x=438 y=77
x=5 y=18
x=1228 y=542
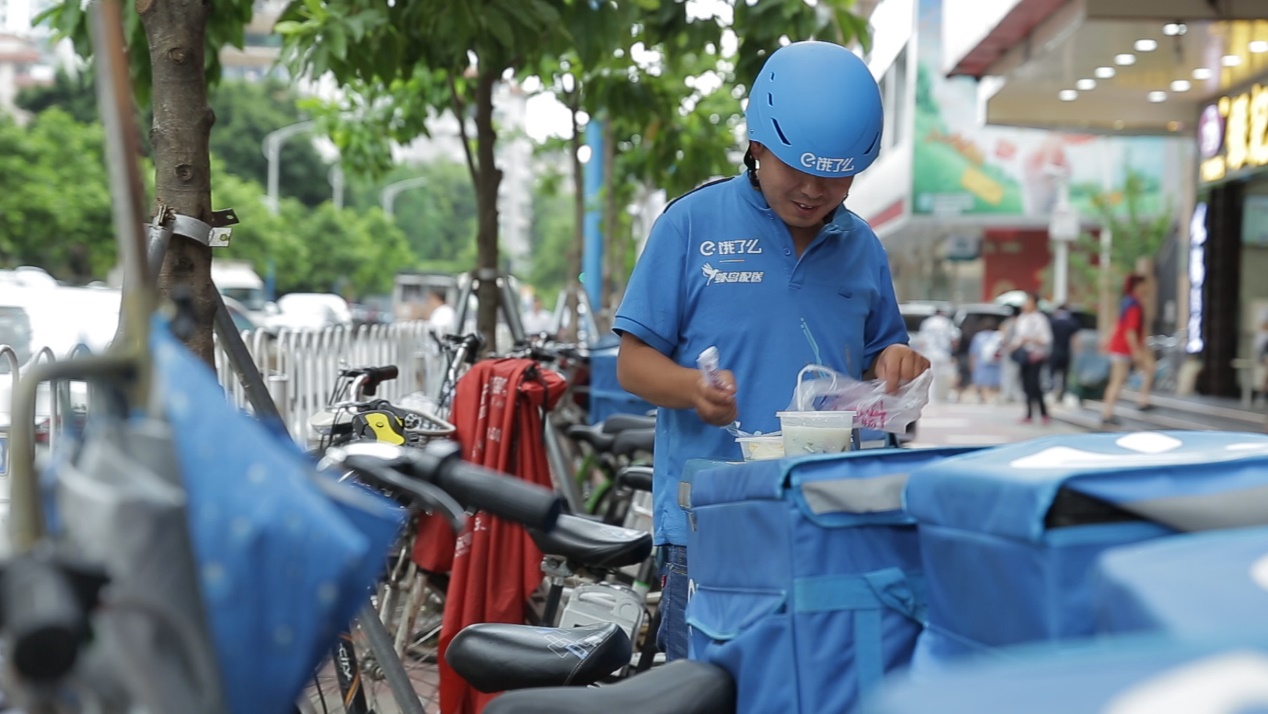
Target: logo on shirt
x=731 y=276
x=731 y=247
x=824 y=163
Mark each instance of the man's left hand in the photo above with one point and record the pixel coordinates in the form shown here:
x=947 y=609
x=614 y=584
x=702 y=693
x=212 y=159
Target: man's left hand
x=898 y=365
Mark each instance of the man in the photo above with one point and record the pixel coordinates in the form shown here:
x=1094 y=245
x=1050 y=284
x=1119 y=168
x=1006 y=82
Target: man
x=938 y=338
x=537 y=320
x=939 y=334
x=773 y=271
x=439 y=315
x=1064 y=325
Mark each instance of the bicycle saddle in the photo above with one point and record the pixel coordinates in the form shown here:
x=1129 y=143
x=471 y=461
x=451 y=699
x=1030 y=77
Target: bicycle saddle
x=679 y=687
x=494 y=657
x=593 y=543
x=592 y=435
x=635 y=478
x=632 y=441
x=621 y=422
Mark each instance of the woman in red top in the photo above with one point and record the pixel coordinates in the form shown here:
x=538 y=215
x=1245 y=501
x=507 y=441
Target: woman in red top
x=1127 y=348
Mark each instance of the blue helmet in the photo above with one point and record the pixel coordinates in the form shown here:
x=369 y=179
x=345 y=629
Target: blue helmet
x=817 y=107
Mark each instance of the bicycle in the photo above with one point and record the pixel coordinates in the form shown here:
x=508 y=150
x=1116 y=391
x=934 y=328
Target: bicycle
x=585 y=459
x=681 y=687
x=405 y=594
x=72 y=594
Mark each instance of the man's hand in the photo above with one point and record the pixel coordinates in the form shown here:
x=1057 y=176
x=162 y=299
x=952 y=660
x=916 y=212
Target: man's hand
x=716 y=405
x=898 y=365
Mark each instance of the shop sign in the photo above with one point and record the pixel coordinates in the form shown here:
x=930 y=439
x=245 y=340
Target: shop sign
x=1233 y=135
x=1197 y=277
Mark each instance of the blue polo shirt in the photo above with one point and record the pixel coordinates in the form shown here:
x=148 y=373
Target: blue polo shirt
x=720 y=269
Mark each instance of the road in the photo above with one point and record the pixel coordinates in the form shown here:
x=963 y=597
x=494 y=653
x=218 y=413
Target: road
x=972 y=424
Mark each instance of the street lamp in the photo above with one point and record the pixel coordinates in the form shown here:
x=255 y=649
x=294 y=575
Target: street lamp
x=387 y=197
x=273 y=151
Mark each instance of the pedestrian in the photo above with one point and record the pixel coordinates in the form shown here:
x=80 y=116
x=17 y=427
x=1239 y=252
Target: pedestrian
x=1127 y=349
x=537 y=321
x=1009 y=371
x=986 y=354
x=939 y=337
x=1064 y=324
x=440 y=316
x=1029 y=348
x=771 y=269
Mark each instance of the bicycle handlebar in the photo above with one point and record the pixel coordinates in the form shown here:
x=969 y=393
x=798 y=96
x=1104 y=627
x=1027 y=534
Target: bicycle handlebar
x=368 y=379
x=473 y=486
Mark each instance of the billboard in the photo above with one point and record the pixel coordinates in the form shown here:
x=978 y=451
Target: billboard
x=963 y=168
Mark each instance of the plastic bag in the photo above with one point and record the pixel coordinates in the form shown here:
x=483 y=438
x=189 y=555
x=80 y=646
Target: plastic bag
x=873 y=407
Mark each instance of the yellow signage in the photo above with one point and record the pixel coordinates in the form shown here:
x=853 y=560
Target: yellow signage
x=1233 y=134
x=982 y=186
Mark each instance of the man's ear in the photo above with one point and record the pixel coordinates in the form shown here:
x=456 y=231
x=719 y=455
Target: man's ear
x=757 y=150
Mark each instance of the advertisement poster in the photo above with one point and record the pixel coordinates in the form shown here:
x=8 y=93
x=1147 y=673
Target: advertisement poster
x=963 y=168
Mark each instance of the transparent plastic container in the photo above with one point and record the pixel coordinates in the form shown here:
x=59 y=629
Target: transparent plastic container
x=762 y=447
x=811 y=432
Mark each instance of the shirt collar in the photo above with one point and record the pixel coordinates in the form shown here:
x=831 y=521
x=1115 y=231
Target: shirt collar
x=836 y=222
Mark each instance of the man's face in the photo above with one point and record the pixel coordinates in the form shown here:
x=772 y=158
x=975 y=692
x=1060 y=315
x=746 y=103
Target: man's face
x=799 y=199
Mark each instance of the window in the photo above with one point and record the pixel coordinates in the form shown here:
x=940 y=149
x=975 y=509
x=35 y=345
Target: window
x=893 y=85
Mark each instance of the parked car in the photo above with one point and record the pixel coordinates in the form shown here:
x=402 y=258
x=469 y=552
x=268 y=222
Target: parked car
x=237 y=280
x=301 y=311
x=913 y=315
x=371 y=312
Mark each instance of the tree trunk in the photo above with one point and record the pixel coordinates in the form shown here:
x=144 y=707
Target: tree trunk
x=180 y=136
x=578 y=226
x=488 y=180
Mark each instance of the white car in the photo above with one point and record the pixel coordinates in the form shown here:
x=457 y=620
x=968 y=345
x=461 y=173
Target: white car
x=314 y=311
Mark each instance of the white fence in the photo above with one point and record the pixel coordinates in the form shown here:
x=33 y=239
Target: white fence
x=300 y=368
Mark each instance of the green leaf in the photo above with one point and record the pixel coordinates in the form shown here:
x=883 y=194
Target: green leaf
x=288 y=27
x=338 y=42
x=500 y=28
x=316 y=9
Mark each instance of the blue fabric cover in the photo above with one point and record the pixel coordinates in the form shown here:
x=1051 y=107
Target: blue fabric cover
x=1191 y=585
x=1119 y=676
x=804 y=602
x=999 y=576
x=284 y=563
x=1007 y=491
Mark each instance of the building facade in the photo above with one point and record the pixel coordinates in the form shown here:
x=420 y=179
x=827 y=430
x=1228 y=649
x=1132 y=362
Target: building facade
x=964 y=203
x=1183 y=68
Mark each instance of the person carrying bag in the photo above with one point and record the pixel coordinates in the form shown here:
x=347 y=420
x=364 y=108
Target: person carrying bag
x=1032 y=342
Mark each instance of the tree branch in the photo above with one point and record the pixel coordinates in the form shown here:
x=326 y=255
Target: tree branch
x=460 y=115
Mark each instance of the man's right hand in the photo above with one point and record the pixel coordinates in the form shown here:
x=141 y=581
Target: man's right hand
x=716 y=404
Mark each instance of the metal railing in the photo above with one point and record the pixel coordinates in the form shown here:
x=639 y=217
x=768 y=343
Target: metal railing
x=301 y=367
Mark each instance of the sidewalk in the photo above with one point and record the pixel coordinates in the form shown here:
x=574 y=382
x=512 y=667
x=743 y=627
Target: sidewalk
x=973 y=424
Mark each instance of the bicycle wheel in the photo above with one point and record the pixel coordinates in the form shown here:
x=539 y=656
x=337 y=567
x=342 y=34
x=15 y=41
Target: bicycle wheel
x=393 y=644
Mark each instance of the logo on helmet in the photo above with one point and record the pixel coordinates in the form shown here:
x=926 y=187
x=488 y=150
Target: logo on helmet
x=823 y=163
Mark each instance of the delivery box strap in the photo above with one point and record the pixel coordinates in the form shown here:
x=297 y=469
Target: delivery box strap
x=858 y=495
x=868 y=596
